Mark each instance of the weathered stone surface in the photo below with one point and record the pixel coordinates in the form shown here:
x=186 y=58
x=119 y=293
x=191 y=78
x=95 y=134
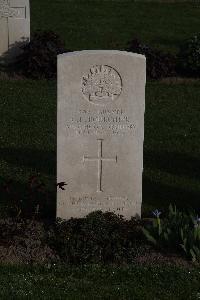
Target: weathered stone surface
x=100 y=130
x=14 y=27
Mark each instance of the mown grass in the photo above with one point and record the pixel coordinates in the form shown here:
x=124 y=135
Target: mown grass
x=171 y=147
x=100 y=282
x=171 y=151
x=111 y=24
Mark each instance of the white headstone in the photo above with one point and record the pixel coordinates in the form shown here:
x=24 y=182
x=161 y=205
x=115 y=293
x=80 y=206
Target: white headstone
x=14 y=27
x=100 y=131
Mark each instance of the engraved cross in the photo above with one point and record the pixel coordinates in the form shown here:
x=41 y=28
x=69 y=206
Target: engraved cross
x=100 y=159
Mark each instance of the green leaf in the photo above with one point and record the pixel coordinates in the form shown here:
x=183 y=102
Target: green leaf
x=149 y=237
x=155 y=223
x=197 y=250
x=184 y=248
x=166 y=237
x=159 y=229
x=171 y=211
x=182 y=234
x=193 y=255
x=169 y=231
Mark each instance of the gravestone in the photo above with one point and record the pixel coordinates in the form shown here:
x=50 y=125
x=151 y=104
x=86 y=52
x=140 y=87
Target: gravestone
x=14 y=28
x=100 y=130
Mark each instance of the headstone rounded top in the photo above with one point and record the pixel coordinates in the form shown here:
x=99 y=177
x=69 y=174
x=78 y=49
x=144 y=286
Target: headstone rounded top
x=102 y=52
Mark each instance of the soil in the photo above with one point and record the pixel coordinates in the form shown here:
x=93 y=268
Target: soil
x=158 y=258
x=25 y=242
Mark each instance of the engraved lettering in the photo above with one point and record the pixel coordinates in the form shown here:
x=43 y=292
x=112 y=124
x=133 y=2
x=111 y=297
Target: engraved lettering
x=6 y=11
x=111 y=122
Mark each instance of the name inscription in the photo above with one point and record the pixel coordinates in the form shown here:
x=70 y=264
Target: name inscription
x=104 y=121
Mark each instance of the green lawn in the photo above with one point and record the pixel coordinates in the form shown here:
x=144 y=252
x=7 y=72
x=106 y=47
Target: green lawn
x=100 y=282
x=111 y=24
x=171 y=147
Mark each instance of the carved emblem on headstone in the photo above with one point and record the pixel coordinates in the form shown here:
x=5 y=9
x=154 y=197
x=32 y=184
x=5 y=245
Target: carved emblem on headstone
x=6 y=11
x=102 y=85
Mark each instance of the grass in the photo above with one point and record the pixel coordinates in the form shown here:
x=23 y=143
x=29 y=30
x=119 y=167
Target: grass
x=99 y=282
x=111 y=24
x=171 y=151
x=171 y=147
x=28 y=128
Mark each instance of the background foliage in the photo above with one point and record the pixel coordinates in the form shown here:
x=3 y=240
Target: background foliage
x=39 y=57
x=189 y=57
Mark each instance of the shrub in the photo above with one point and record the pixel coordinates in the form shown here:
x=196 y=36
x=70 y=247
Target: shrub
x=39 y=57
x=178 y=231
x=159 y=64
x=98 y=238
x=189 y=57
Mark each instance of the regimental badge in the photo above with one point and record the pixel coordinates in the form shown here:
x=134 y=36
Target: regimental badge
x=102 y=85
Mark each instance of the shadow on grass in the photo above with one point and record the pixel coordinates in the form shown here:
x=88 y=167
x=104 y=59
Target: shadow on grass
x=159 y=194
x=155 y=193
x=16 y=196
x=42 y=161
x=174 y=163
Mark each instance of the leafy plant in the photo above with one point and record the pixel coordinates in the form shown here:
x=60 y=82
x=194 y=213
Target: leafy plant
x=191 y=239
x=39 y=57
x=99 y=237
x=189 y=57
x=177 y=231
x=159 y=64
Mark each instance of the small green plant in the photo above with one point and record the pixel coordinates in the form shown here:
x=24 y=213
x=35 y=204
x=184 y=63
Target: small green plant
x=178 y=231
x=189 y=57
x=191 y=239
